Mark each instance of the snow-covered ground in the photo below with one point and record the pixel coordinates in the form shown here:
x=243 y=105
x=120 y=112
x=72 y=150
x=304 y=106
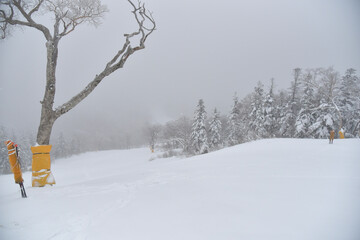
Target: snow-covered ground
x=283 y=189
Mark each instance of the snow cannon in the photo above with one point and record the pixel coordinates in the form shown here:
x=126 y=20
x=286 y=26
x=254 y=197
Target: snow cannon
x=14 y=163
x=41 y=174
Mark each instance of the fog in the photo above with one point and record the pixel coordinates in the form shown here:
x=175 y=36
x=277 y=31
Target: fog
x=201 y=49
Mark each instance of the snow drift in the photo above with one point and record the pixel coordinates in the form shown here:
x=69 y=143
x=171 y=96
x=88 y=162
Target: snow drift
x=269 y=189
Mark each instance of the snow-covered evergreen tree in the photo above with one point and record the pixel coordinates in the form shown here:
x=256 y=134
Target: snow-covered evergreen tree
x=326 y=114
x=282 y=100
x=234 y=131
x=328 y=85
x=76 y=145
x=326 y=119
x=257 y=118
x=25 y=140
x=291 y=109
x=349 y=102
x=306 y=116
x=4 y=160
x=270 y=113
x=61 y=149
x=199 y=134
x=215 y=128
x=245 y=107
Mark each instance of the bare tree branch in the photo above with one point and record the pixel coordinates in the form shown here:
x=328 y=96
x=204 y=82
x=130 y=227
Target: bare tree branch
x=74 y=13
x=119 y=59
x=8 y=17
x=70 y=13
x=36 y=8
x=4 y=16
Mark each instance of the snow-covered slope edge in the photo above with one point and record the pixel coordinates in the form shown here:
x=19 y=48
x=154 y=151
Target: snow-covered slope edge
x=268 y=189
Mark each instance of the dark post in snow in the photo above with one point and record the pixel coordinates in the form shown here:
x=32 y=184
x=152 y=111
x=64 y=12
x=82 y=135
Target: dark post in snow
x=67 y=17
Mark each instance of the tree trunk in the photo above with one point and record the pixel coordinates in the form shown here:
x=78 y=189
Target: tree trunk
x=45 y=128
x=48 y=116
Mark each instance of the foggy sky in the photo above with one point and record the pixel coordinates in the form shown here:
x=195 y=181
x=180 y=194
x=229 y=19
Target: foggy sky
x=201 y=49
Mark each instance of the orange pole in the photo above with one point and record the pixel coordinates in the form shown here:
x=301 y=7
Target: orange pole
x=14 y=163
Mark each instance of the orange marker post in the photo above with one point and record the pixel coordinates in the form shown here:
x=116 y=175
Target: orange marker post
x=15 y=165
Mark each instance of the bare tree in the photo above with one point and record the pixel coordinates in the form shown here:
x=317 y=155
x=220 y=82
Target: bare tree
x=67 y=16
x=178 y=133
x=152 y=132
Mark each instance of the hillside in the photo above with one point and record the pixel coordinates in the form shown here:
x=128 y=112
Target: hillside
x=283 y=189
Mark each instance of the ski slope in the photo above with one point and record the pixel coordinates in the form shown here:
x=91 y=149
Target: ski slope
x=280 y=189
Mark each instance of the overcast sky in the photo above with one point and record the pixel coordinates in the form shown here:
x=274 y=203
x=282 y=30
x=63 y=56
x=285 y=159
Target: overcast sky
x=201 y=49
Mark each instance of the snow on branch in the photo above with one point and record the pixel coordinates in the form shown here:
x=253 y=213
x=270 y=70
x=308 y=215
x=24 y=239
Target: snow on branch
x=68 y=15
x=71 y=13
x=18 y=12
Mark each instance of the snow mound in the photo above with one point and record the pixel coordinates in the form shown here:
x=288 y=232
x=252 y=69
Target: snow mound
x=269 y=189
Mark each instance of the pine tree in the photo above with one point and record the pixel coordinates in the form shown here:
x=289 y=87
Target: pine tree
x=199 y=134
x=292 y=108
x=349 y=102
x=25 y=141
x=215 y=140
x=328 y=86
x=325 y=120
x=234 y=131
x=4 y=160
x=326 y=114
x=306 y=117
x=245 y=106
x=257 y=113
x=60 y=147
x=270 y=113
x=282 y=100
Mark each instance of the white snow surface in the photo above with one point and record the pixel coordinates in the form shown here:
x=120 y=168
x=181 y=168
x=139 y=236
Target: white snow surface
x=281 y=189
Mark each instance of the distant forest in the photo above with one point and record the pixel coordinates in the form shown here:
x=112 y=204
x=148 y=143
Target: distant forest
x=317 y=101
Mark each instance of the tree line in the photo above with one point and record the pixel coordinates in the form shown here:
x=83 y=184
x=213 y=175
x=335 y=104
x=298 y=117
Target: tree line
x=63 y=145
x=319 y=100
